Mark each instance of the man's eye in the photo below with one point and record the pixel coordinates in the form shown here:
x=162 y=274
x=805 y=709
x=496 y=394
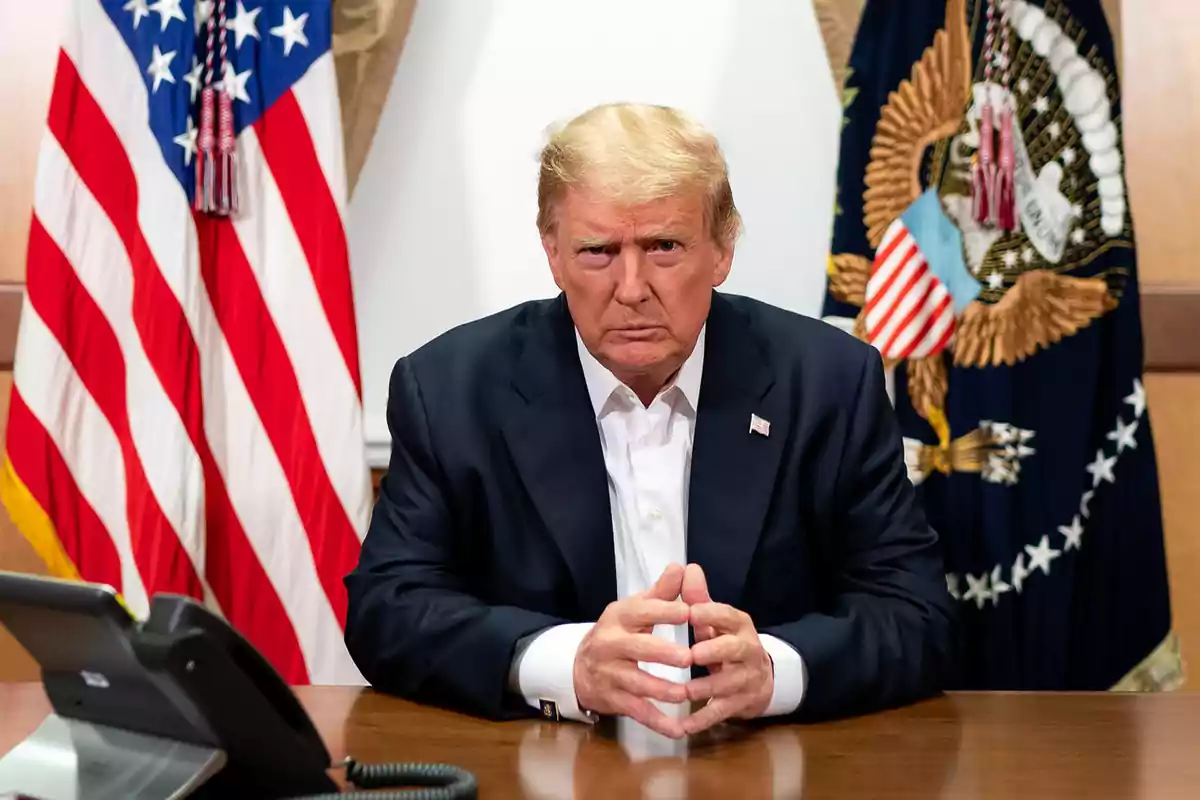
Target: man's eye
x=598 y=250
x=666 y=245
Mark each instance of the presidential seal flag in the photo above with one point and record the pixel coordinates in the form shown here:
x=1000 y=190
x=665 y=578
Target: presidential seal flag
x=186 y=412
x=981 y=172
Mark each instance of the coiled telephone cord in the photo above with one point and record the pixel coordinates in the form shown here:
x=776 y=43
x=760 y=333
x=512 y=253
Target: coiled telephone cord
x=436 y=782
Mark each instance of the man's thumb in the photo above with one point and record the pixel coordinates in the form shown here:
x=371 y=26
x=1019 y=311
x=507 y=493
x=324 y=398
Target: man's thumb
x=695 y=587
x=668 y=585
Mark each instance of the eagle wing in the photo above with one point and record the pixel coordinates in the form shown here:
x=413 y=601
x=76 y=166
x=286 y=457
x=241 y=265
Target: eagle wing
x=926 y=107
x=1040 y=309
x=848 y=275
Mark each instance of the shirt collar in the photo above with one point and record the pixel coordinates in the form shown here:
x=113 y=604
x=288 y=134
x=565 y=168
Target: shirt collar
x=601 y=383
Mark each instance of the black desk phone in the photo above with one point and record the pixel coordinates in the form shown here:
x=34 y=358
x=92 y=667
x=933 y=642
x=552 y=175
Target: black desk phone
x=185 y=675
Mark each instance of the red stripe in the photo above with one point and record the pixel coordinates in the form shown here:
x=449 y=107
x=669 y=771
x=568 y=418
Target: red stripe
x=41 y=467
x=239 y=583
x=78 y=324
x=265 y=368
x=288 y=149
x=912 y=314
x=921 y=270
x=929 y=324
x=895 y=273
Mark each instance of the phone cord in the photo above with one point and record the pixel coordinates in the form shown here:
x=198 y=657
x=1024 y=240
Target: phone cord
x=437 y=782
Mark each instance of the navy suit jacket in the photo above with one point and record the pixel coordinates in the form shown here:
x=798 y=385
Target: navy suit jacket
x=493 y=519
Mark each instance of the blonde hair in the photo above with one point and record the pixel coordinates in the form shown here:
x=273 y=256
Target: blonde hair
x=634 y=154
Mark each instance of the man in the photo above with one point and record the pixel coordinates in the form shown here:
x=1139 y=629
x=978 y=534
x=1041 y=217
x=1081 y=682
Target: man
x=556 y=465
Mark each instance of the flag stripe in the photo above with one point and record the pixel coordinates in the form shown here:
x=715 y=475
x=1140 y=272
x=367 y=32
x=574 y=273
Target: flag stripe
x=317 y=95
x=271 y=383
x=274 y=254
x=57 y=399
x=89 y=343
x=36 y=460
x=907 y=276
x=288 y=151
x=904 y=301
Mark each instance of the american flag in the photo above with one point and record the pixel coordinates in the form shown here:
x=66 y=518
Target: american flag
x=909 y=312
x=186 y=414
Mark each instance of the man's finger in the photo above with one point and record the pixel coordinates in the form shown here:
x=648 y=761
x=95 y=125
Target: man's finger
x=643 y=613
x=715 y=712
x=649 y=648
x=669 y=584
x=695 y=586
x=725 y=618
x=718 y=684
x=640 y=683
x=721 y=650
x=643 y=711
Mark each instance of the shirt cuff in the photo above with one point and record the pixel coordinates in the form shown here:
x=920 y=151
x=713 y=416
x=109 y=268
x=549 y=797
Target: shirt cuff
x=791 y=678
x=546 y=670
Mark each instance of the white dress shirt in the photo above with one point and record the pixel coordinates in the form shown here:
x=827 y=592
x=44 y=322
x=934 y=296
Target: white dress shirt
x=648 y=458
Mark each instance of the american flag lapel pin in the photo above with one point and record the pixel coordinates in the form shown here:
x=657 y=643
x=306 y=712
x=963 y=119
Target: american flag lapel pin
x=759 y=425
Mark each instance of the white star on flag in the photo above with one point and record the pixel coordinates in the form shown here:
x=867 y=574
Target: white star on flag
x=1054 y=129
x=1041 y=105
x=160 y=67
x=168 y=10
x=999 y=587
x=1010 y=259
x=1137 y=399
x=187 y=140
x=1078 y=236
x=1023 y=86
x=1077 y=209
x=1123 y=435
x=244 y=24
x=192 y=78
x=1083 y=503
x=1041 y=556
x=291 y=30
x=234 y=82
x=140 y=12
x=995 y=281
x=1101 y=469
x=1068 y=155
x=1073 y=533
x=1019 y=573
x=977 y=590
x=1027 y=255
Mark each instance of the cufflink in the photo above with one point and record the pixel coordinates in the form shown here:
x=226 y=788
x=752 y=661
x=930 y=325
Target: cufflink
x=549 y=710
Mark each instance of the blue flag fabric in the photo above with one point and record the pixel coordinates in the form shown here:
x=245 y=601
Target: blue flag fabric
x=1028 y=437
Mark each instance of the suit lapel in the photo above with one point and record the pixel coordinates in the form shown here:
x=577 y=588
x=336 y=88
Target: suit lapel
x=555 y=445
x=733 y=469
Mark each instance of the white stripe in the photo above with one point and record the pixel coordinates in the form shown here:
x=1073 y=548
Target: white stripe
x=317 y=95
x=75 y=221
x=925 y=347
x=274 y=253
x=58 y=399
x=904 y=305
x=894 y=294
x=255 y=481
x=893 y=230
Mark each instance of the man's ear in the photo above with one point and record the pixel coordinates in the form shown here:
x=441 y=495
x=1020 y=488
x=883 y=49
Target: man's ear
x=724 y=263
x=550 y=245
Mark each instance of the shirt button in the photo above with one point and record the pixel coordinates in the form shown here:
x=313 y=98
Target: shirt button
x=655 y=514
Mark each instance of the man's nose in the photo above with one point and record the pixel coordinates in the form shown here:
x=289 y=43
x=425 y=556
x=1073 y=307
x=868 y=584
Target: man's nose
x=632 y=284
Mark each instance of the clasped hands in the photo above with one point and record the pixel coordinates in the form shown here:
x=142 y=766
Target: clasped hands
x=608 y=679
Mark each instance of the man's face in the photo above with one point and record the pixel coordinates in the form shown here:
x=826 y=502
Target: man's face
x=638 y=279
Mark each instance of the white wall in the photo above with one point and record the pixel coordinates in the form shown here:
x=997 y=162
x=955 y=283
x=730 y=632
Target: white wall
x=441 y=225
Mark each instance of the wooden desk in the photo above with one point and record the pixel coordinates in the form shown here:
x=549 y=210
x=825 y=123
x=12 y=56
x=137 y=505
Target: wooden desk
x=967 y=745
